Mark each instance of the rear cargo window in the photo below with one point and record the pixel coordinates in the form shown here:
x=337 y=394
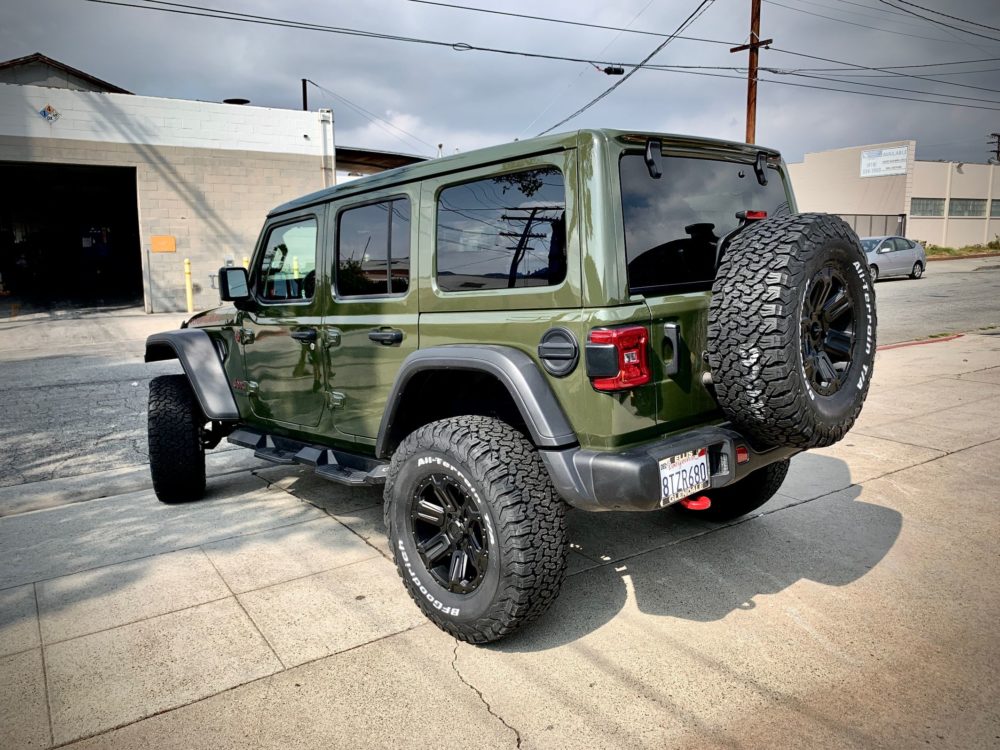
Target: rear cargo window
x=672 y=224
x=502 y=232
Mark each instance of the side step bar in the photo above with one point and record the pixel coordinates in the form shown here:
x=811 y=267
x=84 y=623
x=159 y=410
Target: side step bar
x=329 y=463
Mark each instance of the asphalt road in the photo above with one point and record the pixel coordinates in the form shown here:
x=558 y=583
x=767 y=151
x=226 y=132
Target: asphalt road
x=954 y=296
x=69 y=410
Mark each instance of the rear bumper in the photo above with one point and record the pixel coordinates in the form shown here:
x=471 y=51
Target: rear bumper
x=630 y=479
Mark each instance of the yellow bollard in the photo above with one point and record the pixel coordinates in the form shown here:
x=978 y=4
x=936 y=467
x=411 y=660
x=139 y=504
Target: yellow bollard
x=295 y=266
x=188 y=288
x=246 y=262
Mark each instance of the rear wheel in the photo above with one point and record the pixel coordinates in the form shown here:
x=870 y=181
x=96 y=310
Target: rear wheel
x=477 y=531
x=874 y=272
x=176 y=450
x=747 y=495
x=918 y=270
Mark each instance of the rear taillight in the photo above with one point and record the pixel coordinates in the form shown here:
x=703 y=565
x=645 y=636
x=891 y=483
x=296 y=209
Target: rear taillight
x=617 y=358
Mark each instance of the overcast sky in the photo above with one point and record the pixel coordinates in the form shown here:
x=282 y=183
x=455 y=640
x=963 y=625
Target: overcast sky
x=470 y=99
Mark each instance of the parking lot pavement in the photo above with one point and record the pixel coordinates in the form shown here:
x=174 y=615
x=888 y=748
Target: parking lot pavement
x=859 y=608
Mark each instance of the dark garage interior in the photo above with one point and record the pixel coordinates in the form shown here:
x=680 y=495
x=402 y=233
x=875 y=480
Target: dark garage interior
x=69 y=235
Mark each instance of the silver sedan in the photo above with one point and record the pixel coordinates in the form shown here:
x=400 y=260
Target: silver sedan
x=894 y=256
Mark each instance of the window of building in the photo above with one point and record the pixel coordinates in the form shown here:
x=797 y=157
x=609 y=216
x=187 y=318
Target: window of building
x=503 y=232
x=995 y=207
x=373 y=249
x=967 y=207
x=927 y=207
x=287 y=269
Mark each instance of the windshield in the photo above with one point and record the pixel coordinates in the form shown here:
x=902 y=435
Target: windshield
x=672 y=224
x=869 y=244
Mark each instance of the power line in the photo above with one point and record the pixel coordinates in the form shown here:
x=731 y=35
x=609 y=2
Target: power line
x=882 y=70
x=830 y=88
x=567 y=22
x=939 y=22
x=954 y=18
x=861 y=25
x=702 y=6
x=920 y=65
x=370 y=115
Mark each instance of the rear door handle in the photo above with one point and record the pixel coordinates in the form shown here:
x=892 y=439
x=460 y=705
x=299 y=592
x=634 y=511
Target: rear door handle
x=386 y=338
x=307 y=336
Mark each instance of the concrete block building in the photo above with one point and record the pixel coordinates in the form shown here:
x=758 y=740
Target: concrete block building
x=103 y=193
x=883 y=189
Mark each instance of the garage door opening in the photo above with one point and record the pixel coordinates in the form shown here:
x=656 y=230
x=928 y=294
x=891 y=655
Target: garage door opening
x=69 y=235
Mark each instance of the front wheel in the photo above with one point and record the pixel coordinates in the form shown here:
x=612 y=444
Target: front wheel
x=751 y=492
x=918 y=271
x=874 y=272
x=176 y=450
x=476 y=528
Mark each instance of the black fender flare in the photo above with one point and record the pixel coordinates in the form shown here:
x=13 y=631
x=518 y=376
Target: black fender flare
x=201 y=363
x=516 y=371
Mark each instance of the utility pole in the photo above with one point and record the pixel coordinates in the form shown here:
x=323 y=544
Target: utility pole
x=755 y=44
x=305 y=95
x=996 y=145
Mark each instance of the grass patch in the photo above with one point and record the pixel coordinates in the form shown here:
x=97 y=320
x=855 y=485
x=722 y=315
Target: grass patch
x=941 y=251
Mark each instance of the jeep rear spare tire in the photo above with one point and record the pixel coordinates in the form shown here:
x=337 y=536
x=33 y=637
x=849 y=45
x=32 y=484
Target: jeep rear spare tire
x=476 y=528
x=791 y=334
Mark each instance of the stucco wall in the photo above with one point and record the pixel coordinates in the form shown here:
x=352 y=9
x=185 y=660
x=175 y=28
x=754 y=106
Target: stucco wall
x=831 y=181
x=206 y=174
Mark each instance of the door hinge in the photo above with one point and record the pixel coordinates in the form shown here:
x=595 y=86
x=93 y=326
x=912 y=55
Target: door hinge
x=333 y=336
x=252 y=387
x=337 y=399
x=245 y=336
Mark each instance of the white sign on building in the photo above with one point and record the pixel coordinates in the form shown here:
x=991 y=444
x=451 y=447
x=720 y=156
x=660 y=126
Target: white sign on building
x=880 y=162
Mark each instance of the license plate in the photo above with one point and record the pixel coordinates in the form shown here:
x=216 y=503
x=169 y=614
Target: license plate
x=683 y=475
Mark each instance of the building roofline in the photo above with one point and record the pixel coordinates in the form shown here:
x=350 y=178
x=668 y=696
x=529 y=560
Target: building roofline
x=40 y=58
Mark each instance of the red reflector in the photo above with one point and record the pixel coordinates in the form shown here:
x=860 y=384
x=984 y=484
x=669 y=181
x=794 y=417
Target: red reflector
x=742 y=454
x=631 y=343
x=702 y=502
x=756 y=215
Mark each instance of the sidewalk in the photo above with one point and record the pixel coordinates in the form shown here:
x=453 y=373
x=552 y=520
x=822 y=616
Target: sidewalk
x=858 y=609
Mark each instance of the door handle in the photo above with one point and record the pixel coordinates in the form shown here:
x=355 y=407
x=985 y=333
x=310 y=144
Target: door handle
x=307 y=336
x=386 y=338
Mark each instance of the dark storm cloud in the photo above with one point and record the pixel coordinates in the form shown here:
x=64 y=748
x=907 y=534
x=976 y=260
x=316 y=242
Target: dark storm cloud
x=469 y=99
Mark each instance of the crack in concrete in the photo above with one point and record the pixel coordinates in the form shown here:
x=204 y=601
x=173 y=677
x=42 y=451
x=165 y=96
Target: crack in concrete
x=482 y=698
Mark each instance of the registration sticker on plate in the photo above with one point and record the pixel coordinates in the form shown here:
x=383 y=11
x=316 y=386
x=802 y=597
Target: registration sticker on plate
x=683 y=475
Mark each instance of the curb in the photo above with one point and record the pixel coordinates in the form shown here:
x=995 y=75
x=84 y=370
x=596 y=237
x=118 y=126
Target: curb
x=940 y=340
x=962 y=257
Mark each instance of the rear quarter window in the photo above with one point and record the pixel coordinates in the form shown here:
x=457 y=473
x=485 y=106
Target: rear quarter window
x=502 y=232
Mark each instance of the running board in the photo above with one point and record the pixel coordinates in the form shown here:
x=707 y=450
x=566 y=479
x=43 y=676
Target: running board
x=329 y=463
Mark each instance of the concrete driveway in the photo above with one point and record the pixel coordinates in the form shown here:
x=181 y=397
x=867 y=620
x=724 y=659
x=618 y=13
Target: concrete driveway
x=859 y=608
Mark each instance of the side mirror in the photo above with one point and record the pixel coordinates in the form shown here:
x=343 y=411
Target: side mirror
x=233 y=284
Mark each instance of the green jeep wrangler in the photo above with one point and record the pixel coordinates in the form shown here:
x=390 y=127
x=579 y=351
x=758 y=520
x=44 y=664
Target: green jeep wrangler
x=617 y=321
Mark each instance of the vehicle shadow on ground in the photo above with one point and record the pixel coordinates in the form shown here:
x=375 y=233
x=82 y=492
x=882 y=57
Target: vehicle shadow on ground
x=669 y=564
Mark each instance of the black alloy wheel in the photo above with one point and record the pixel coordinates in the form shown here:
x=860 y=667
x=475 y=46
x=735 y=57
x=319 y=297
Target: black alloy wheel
x=449 y=534
x=827 y=331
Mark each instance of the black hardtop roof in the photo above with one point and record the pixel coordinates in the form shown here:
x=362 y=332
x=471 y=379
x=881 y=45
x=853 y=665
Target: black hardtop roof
x=501 y=153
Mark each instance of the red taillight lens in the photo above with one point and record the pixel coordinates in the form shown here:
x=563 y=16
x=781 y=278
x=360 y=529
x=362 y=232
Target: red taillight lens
x=631 y=344
x=756 y=215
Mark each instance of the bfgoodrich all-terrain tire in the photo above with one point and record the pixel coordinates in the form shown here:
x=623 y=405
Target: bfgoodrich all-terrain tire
x=476 y=528
x=791 y=334
x=176 y=452
x=746 y=495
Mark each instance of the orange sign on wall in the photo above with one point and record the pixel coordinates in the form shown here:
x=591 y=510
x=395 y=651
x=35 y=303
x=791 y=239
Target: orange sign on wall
x=164 y=243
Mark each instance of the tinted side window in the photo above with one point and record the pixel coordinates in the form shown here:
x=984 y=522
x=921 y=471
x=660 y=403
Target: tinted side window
x=373 y=249
x=287 y=269
x=502 y=232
